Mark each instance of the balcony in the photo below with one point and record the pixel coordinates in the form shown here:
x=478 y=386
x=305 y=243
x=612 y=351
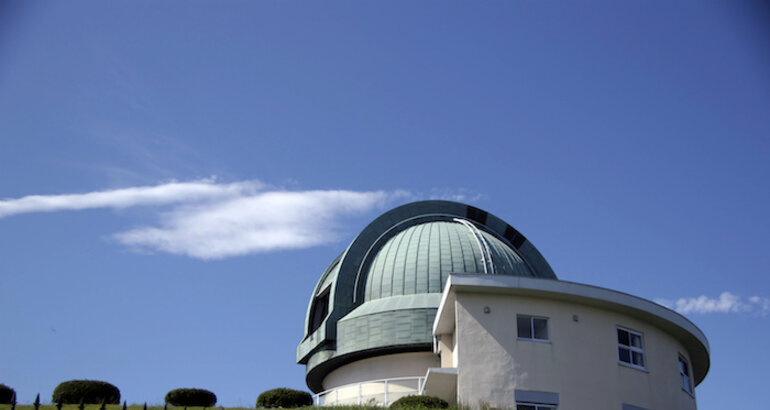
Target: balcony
x=380 y=392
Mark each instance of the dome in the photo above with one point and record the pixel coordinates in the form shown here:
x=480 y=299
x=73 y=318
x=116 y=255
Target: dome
x=380 y=296
x=420 y=258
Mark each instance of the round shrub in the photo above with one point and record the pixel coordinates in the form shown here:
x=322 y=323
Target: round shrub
x=284 y=397
x=89 y=391
x=191 y=398
x=6 y=394
x=429 y=402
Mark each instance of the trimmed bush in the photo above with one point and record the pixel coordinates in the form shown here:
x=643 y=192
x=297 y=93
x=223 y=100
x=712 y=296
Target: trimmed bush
x=429 y=402
x=284 y=397
x=191 y=398
x=6 y=394
x=86 y=391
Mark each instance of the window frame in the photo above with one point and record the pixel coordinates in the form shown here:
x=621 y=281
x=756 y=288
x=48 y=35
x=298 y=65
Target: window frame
x=690 y=389
x=532 y=329
x=537 y=406
x=631 y=349
x=319 y=310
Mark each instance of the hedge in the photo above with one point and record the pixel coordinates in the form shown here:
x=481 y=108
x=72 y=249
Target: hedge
x=430 y=402
x=284 y=397
x=6 y=394
x=87 y=391
x=191 y=397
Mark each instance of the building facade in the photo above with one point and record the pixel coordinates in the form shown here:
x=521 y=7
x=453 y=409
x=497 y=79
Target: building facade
x=445 y=299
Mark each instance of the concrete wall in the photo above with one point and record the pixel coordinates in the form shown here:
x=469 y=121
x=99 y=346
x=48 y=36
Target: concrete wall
x=382 y=367
x=445 y=349
x=580 y=362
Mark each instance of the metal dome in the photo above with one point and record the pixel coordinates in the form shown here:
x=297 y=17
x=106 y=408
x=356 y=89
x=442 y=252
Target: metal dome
x=381 y=294
x=420 y=258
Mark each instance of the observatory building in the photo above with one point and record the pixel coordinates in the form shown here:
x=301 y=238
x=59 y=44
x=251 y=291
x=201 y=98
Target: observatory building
x=445 y=299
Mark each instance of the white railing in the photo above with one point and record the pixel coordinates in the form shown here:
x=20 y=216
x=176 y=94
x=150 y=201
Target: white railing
x=380 y=392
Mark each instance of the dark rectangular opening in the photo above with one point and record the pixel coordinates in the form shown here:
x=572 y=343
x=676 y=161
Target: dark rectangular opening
x=476 y=214
x=319 y=310
x=514 y=237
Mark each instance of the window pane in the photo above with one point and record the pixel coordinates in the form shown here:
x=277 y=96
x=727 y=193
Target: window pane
x=636 y=340
x=684 y=375
x=524 y=407
x=524 y=326
x=625 y=355
x=638 y=358
x=541 y=328
x=623 y=337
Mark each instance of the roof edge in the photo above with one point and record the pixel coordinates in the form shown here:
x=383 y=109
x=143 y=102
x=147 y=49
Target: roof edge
x=677 y=325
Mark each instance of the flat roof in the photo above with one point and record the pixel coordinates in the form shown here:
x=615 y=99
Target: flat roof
x=662 y=317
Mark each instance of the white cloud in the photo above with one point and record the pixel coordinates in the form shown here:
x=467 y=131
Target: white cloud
x=172 y=192
x=210 y=220
x=457 y=195
x=762 y=304
x=257 y=223
x=725 y=303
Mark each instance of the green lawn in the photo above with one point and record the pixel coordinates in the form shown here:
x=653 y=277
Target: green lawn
x=109 y=407
x=141 y=407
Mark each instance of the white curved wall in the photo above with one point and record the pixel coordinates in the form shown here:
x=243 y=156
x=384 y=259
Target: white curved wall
x=580 y=362
x=382 y=367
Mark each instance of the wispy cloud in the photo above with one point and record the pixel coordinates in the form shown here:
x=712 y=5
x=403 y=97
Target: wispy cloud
x=726 y=303
x=210 y=220
x=257 y=223
x=445 y=194
x=171 y=192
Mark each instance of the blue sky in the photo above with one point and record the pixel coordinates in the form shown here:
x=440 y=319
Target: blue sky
x=175 y=176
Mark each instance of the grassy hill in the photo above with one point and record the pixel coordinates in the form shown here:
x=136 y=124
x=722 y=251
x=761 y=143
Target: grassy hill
x=111 y=407
x=141 y=407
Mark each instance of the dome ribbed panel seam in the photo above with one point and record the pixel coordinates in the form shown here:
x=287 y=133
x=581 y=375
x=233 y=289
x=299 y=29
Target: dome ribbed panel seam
x=375 y=274
x=458 y=254
x=422 y=261
x=410 y=264
x=399 y=267
x=434 y=260
x=445 y=254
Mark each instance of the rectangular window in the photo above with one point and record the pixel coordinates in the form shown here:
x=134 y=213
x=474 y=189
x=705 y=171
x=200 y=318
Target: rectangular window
x=536 y=400
x=532 y=328
x=534 y=406
x=630 y=348
x=684 y=375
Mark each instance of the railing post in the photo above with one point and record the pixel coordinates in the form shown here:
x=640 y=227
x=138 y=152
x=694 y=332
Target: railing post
x=359 y=394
